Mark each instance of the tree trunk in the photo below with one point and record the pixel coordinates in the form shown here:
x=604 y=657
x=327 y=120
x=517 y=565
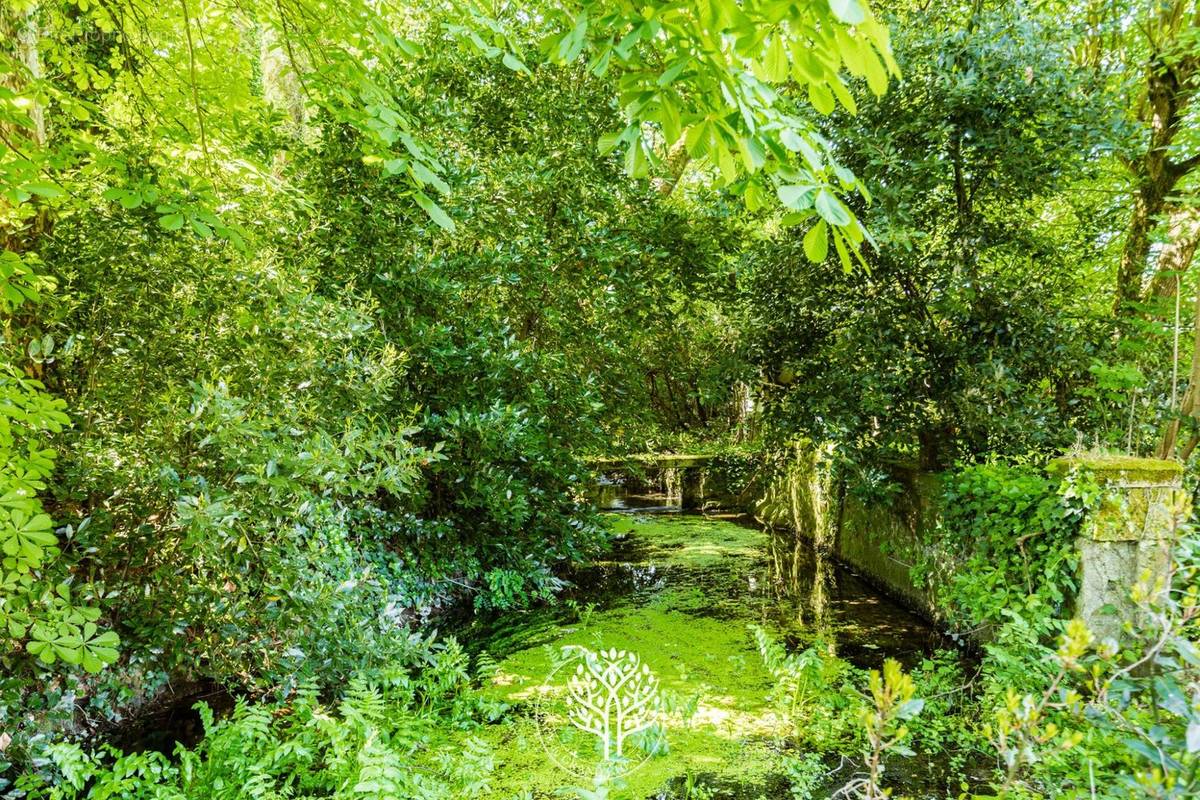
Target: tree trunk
x=1175 y=259
x=22 y=30
x=1171 y=72
x=1183 y=236
x=676 y=163
x=1189 y=406
x=1147 y=204
x=27 y=52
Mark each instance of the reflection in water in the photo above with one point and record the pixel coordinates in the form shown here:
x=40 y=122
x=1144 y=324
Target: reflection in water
x=804 y=581
x=673 y=485
x=651 y=503
x=823 y=582
x=798 y=588
x=820 y=599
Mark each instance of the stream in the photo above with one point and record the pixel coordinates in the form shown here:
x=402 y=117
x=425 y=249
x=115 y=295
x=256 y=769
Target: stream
x=681 y=592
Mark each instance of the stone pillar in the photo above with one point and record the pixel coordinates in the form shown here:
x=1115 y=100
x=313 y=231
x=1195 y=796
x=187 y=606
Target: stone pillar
x=691 y=496
x=672 y=485
x=1127 y=538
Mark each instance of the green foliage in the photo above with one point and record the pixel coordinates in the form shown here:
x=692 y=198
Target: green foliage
x=893 y=703
x=815 y=694
x=736 y=469
x=832 y=708
x=159 y=147
x=339 y=294
x=672 y=67
x=273 y=477
x=383 y=739
x=805 y=774
x=46 y=620
x=946 y=725
x=976 y=326
x=1011 y=530
x=1116 y=709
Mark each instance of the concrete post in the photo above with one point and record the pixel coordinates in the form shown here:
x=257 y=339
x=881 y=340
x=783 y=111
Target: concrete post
x=1127 y=539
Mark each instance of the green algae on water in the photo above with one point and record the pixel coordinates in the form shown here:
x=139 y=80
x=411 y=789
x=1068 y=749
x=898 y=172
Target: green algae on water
x=707 y=667
x=681 y=592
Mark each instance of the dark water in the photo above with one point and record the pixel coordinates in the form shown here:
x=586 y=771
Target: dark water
x=791 y=584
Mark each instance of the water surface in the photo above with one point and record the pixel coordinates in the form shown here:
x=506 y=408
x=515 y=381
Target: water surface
x=682 y=592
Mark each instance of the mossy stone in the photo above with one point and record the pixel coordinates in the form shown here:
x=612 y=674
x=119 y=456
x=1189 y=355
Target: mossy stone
x=1121 y=469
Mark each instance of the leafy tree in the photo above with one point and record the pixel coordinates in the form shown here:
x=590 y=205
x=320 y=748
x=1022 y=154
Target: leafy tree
x=1148 y=52
x=973 y=328
x=321 y=380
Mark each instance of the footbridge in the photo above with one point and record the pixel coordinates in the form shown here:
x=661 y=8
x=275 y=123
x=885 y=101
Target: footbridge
x=686 y=479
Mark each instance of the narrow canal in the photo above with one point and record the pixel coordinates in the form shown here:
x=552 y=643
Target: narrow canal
x=684 y=593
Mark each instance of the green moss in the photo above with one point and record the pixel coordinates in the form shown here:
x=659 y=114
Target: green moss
x=675 y=460
x=691 y=541
x=709 y=660
x=1122 y=468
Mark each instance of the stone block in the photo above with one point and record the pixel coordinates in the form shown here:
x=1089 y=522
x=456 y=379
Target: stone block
x=1127 y=538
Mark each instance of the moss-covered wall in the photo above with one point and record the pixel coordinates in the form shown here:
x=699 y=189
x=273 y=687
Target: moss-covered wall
x=879 y=539
x=1125 y=541
x=797 y=493
x=884 y=540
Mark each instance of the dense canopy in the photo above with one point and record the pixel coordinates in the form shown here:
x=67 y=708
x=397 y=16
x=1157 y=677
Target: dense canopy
x=320 y=315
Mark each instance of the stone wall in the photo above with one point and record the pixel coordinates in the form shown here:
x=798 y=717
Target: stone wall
x=879 y=540
x=1124 y=544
